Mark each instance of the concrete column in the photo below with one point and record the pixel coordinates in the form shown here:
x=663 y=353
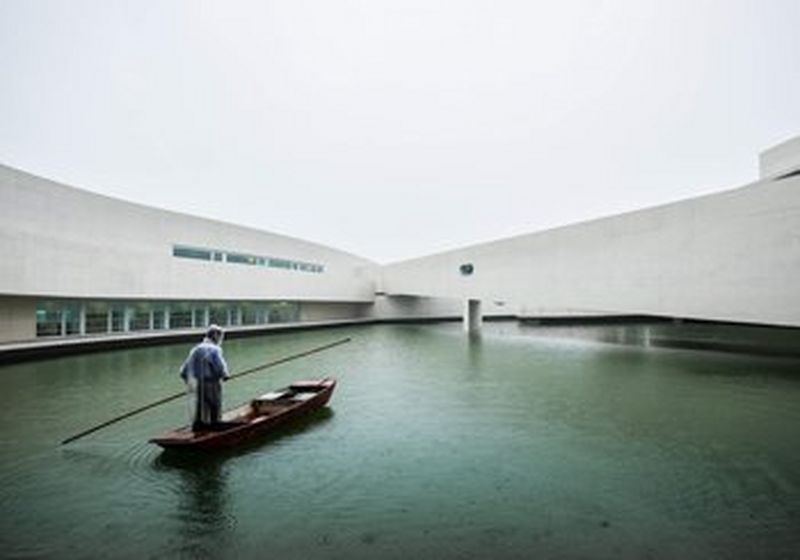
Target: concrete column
x=110 y=318
x=63 y=321
x=239 y=315
x=126 y=319
x=472 y=315
x=206 y=316
x=166 y=317
x=152 y=319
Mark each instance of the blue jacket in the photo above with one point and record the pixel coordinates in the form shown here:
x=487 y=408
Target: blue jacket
x=205 y=363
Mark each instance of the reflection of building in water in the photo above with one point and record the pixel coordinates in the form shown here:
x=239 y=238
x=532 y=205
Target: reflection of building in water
x=78 y=264
x=654 y=332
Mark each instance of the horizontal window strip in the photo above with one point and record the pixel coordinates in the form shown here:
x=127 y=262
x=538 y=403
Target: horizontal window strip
x=59 y=318
x=204 y=254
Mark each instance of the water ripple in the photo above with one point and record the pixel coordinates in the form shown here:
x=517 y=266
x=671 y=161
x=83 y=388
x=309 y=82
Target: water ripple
x=434 y=446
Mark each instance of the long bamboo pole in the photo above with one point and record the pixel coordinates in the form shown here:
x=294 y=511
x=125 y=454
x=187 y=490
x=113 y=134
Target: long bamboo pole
x=183 y=393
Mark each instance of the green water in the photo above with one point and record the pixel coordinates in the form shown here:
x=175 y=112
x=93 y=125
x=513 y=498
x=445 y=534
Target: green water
x=435 y=445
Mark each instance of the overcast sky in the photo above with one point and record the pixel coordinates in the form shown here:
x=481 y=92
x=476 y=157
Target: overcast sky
x=397 y=129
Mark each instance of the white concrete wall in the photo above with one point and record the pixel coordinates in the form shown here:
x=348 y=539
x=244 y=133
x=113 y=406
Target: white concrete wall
x=781 y=159
x=17 y=319
x=405 y=307
x=421 y=307
x=58 y=241
x=332 y=311
x=732 y=256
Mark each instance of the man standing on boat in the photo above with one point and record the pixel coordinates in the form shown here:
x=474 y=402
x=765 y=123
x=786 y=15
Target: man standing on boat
x=204 y=371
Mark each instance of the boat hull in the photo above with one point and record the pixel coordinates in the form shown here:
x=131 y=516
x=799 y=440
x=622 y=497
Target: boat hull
x=261 y=416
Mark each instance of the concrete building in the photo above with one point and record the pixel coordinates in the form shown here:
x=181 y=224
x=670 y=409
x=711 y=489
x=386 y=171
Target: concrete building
x=79 y=263
x=732 y=256
x=81 y=266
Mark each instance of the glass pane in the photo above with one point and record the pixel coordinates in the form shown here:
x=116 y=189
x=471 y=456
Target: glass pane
x=241 y=258
x=280 y=263
x=158 y=318
x=72 y=318
x=234 y=315
x=96 y=317
x=140 y=317
x=48 y=319
x=218 y=315
x=191 y=253
x=117 y=318
x=250 y=314
x=283 y=312
x=180 y=316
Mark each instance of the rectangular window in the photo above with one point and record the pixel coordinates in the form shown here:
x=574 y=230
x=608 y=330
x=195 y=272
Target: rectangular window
x=117 y=318
x=283 y=312
x=280 y=263
x=254 y=314
x=192 y=253
x=96 y=317
x=180 y=316
x=159 y=319
x=248 y=314
x=71 y=316
x=56 y=318
x=48 y=319
x=234 y=314
x=239 y=258
x=199 y=317
x=140 y=317
x=218 y=315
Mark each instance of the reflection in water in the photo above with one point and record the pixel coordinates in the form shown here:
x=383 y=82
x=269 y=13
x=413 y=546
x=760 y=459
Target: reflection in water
x=203 y=507
x=475 y=355
x=650 y=333
x=508 y=445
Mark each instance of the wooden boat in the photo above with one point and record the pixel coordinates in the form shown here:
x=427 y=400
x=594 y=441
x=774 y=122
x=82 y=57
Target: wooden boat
x=261 y=415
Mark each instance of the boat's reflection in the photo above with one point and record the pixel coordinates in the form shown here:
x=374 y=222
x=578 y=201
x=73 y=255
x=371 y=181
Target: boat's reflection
x=203 y=507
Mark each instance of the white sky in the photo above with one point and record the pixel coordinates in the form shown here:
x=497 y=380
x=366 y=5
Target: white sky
x=397 y=129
